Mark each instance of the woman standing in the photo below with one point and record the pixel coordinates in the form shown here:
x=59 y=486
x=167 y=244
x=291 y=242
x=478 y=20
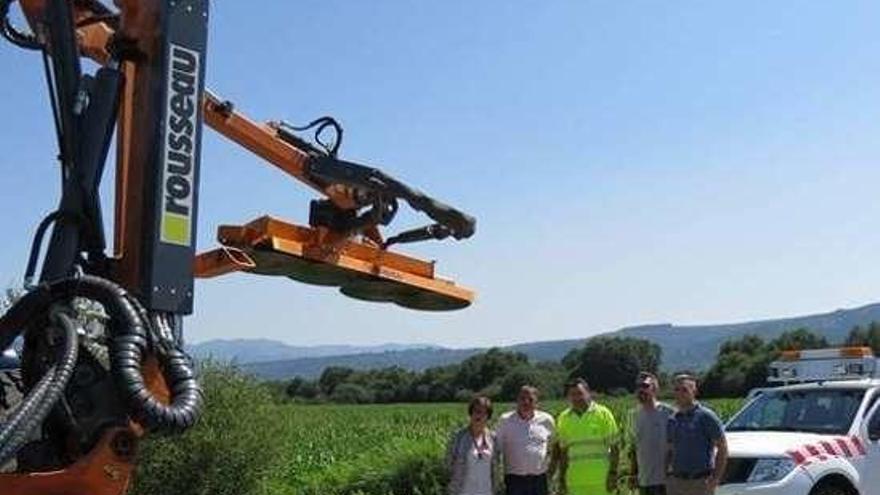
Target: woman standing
x=471 y=455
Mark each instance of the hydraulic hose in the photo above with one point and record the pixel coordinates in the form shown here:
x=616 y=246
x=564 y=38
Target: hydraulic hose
x=127 y=352
x=130 y=343
x=26 y=408
x=36 y=406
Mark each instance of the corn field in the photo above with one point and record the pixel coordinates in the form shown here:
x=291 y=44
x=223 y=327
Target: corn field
x=249 y=444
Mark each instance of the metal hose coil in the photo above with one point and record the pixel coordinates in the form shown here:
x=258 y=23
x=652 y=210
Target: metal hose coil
x=37 y=405
x=130 y=341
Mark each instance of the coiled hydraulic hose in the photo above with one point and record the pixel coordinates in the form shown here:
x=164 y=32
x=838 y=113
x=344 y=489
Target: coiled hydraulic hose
x=130 y=342
x=29 y=415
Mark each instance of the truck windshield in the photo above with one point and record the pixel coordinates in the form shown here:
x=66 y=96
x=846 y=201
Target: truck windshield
x=827 y=411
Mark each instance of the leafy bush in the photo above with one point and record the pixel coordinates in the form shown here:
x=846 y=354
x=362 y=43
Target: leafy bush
x=228 y=452
x=351 y=393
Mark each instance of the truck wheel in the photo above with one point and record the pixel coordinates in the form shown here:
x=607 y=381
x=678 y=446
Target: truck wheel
x=833 y=487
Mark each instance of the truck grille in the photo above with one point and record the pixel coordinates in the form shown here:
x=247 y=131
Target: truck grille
x=738 y=470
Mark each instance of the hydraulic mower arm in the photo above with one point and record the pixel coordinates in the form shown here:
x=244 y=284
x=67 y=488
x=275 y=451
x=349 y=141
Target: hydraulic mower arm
x=359 y=200
x=102 y=354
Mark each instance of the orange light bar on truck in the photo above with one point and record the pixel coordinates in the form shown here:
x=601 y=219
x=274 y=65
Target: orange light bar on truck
x=822 y=365
x=856 y=352
x=843 y=352
x=790 y=355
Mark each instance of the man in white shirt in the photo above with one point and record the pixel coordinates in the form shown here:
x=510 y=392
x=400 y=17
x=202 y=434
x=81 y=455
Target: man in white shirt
x=524 y=438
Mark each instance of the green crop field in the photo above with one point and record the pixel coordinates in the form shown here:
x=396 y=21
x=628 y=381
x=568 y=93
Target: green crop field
x=359 y=446
x=249 y=444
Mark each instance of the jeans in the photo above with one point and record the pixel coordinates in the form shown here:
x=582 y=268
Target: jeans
x=652 y=490
x=678 y=486
x=525 y=485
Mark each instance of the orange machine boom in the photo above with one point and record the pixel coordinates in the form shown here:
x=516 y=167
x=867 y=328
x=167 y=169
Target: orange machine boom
x=149 y=90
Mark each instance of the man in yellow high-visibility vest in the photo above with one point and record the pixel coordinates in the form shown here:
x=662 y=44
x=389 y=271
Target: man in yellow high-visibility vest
x=586 y=444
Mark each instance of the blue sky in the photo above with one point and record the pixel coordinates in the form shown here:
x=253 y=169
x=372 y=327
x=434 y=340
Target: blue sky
x=629 y=162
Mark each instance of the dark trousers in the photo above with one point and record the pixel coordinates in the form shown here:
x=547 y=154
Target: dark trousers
x=525 y=485
x=652 y=490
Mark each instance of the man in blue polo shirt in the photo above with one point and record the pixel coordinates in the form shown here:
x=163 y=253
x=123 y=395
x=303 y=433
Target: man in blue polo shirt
x=697 y=446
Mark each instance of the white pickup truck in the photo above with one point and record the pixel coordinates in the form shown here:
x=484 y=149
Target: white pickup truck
x=815 y=434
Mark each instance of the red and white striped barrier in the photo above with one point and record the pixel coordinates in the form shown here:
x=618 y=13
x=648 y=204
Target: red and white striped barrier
x=847 y=447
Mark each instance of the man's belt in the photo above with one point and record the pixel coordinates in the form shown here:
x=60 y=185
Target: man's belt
x=692 y=476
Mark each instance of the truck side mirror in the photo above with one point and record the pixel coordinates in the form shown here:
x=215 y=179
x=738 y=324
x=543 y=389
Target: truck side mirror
x=9 y=360
x=874 y=431
x=874 y=426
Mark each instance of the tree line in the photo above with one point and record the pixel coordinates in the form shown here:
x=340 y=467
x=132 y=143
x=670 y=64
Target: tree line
x=609 y=364
x=742 y=364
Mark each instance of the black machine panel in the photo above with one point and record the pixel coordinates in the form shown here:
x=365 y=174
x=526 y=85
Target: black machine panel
x=174 y=178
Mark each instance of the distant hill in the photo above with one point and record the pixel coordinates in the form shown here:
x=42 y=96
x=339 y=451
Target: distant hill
x=261 y=350
x=691 y=347
x=695 y=347
x=416 y=359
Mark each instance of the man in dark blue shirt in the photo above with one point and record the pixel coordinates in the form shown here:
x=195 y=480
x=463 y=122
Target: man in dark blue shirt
x=697 y=446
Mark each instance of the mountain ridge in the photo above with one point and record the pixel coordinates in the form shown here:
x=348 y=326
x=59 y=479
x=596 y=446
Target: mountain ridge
x=248 y=351
x=692 y=347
